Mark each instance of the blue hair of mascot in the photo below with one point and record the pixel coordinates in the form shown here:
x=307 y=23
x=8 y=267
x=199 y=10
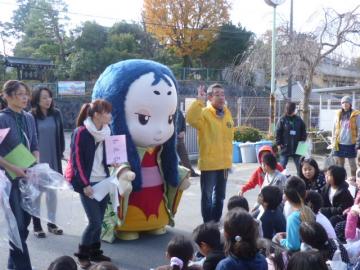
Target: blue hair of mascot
x=113 y=85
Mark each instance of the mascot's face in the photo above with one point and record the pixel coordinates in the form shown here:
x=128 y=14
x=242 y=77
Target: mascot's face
x=150 y=111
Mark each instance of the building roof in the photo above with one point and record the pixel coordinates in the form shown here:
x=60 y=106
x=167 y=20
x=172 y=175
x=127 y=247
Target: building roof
x=340 y=89
x=27 y=62
x=297 y=93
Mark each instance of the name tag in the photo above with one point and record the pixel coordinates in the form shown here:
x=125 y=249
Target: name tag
x=293 y=132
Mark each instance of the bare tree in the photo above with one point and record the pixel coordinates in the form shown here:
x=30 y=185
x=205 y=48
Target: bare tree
x=305 y=52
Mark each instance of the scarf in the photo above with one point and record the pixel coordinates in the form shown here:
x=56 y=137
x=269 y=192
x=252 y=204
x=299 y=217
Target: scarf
x=99 y=135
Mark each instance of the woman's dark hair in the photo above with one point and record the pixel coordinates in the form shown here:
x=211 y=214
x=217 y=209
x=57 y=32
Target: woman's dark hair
x=295 y=191
x=312 y=162
x=240 y=234
x=35 y=101
x=104 y=266
x=238 y=201
x=63 y=263
x=11 y=86
x=208 y=233
x=272 y=195
x=290 y=108
x=314 y=235
x=270 y=160
x=306 y=260
x=338 y=173
x=314 y=200
x=89 y=110
x=182 y=248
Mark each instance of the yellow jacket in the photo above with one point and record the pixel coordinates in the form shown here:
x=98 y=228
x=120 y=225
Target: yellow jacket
x=353 y=127
x=215 y=136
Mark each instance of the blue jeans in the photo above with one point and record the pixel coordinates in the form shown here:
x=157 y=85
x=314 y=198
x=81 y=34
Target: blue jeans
x=284 y=161
x=95 y=212
x=19 y=260
x=213 y=189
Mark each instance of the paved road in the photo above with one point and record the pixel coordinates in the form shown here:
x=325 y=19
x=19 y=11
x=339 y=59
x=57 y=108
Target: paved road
x=145 y=253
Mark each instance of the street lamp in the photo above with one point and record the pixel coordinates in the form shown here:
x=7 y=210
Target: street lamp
x=274 y=4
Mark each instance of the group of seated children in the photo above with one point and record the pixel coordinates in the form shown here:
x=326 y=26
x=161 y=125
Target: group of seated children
x=310 y=221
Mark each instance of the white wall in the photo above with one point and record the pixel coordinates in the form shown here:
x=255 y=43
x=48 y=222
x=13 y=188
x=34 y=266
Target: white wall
x=326 y=119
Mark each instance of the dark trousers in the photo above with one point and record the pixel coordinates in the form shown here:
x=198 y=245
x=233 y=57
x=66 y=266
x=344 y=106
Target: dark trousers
x=19 y=260
x=284 y=159
x=95 y=213
x=183 y=154
x=213 y=189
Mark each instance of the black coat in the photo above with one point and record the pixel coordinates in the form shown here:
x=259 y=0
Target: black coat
x=212 y=259
x=341 y=201
x=284 y=128
x=60 y=139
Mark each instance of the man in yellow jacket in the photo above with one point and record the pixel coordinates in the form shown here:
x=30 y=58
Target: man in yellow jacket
x=215 y=128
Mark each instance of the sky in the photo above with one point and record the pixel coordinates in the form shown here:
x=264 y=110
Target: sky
x=255 y=15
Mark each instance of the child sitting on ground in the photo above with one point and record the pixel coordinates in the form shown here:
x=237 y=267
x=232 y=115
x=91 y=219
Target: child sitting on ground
x=272 y=218
x=104 y=266
x=314 y=201
x=240 y=201
x=63 y=263
x=257 y=178
x=179 y=251
x=272 y=176
x=352 y=228
x=309 y=172
x=240 y=232
x=336 y=196
x=207 y=237
x=294 y=191
x=314 y=237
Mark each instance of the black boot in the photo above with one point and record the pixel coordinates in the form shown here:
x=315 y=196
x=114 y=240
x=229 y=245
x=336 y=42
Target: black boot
x=96 y=254
x=83 y=256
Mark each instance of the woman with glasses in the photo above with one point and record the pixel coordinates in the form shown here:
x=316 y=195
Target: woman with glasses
x=50 y=132
x=22 y=131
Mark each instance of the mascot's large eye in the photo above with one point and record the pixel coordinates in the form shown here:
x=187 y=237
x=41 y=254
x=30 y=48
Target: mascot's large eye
x=143 y=118
x=171 y=119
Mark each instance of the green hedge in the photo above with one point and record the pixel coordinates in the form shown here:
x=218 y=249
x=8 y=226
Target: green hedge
x=247 y=134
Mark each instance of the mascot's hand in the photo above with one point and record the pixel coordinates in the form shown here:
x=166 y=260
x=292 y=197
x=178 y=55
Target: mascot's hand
x=185 y=184
x=125 y=178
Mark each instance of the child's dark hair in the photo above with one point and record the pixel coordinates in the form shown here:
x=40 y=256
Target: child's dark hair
x=277 y=254
x=295 y=192
x=338 y=173
x=89 y=110
x=314 y=200
x=240 y=234
x=208 y=233
x=306 y=260
x=63 y=263
x=104 y=266
x=314 y=235
x=312 y=162
x=238 y=201
x=272 y=195
x=270 y=160
x=182 y=248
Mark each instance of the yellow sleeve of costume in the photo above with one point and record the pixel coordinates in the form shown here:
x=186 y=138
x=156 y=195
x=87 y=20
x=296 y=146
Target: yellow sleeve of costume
x=194 y=115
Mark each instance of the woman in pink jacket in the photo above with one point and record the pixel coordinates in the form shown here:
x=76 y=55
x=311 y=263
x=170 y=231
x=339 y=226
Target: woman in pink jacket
x=353 y=220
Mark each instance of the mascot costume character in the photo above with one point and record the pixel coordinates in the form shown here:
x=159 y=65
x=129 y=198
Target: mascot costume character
x=143 y=95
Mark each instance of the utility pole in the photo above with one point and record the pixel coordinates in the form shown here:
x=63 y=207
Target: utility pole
x=290 y=41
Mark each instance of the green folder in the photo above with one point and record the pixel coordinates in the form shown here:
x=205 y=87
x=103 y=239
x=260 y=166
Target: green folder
x=302 y=149
x=21 y=157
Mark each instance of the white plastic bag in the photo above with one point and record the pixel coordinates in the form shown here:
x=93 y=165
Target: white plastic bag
x=9 y=230
x=41 y=179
